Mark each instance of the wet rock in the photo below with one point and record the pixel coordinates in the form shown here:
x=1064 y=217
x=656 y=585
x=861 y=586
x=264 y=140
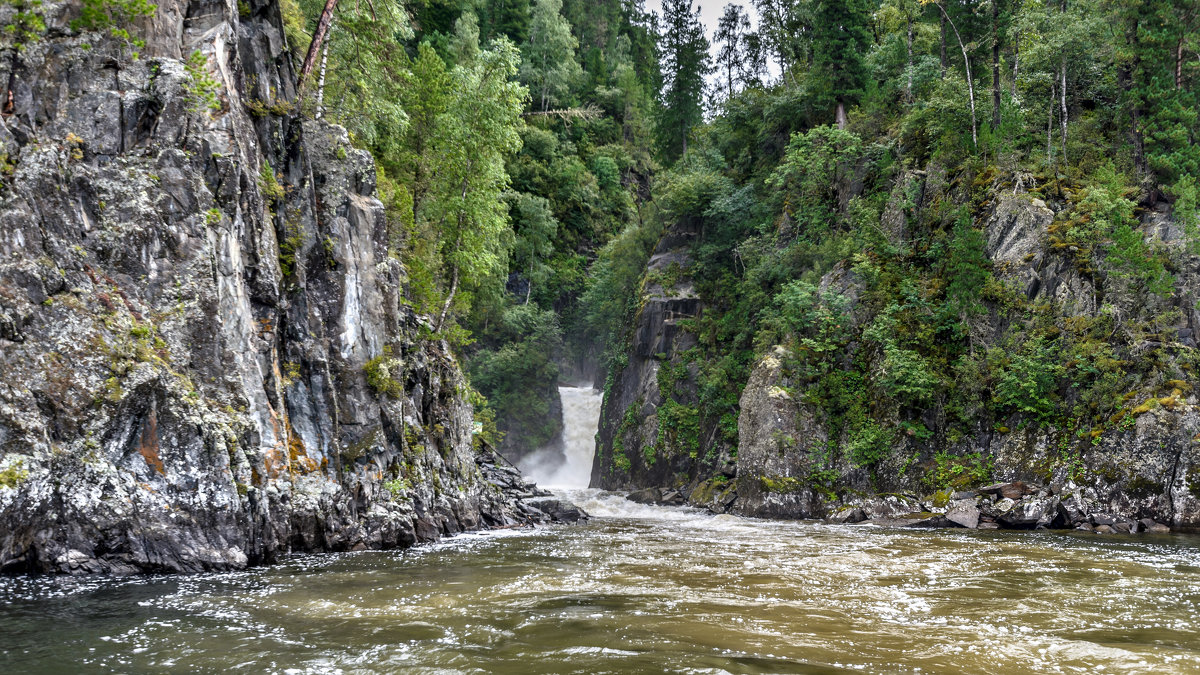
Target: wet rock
x=889 y=506
x=190 y=304
x=1077 y=507
x=1152 y=527
x=673 y=498
x=651 y=496
x=850 y=514
x=928 y=520
x=1104 y=529
x=1013 y=491
x=779 y=443
x=558 y=510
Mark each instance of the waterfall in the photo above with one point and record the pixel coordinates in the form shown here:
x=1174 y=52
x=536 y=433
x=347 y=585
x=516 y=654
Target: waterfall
x=569 y=463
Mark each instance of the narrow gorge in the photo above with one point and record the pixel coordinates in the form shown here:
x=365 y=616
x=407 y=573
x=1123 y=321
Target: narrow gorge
x=599 y=336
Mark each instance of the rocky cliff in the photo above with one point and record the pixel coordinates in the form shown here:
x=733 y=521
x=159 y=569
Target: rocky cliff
x=206 y=357
x=1137 y=468
x=650 y=428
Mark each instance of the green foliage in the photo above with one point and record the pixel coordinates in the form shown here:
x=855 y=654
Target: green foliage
x=951 y=472
x=967 y=270
x=385 y=374
x=685 y=63
x=398 y=487
x=808 y=180
x=484 y=417
x=269 y=185
x=548 y=65
x=115 y=18
x=519 y=376
x=13 y=475
x=27 y=24
x=1027 y=379
x=841 y=35
x=819 y=319
x=200 y=89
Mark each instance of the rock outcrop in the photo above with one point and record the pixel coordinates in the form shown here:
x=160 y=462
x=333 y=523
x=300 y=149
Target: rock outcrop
x=791 y=460
x=206 y=361
x=651 y=432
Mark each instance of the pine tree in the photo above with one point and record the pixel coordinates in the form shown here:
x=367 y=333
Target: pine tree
x=685 y=63
x=548 y=63
x=840 y=39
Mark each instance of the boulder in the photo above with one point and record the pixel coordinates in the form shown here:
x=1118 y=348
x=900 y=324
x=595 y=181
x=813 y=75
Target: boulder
x=1150 y=526
x=963 y=513
x=889 y=506
x=850 y=514
x=651 y=495
x=1035 y=512
x=558 y=510
x=1013 y=491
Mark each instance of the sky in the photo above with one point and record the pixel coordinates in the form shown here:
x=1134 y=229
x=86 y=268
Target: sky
x=710 y=12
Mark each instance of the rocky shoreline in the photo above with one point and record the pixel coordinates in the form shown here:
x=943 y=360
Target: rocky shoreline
x=1000 y=506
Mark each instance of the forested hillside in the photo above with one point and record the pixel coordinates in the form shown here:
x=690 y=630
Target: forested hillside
x=948 y=243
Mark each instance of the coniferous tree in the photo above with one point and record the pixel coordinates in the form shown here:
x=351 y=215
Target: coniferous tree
x=509 y=18
x=841 y=38
x=684 y=65
x=731 y=35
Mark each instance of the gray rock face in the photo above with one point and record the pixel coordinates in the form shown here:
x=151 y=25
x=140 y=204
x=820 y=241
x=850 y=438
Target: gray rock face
x=777 y=438
x=632 y=451
x=189 y=304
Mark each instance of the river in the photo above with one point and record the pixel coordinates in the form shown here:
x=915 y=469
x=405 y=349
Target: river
x=642 y=589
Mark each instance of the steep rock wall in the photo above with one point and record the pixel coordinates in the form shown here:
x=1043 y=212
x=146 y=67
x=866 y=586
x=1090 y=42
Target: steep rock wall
x=649 y=423
x=190 y=303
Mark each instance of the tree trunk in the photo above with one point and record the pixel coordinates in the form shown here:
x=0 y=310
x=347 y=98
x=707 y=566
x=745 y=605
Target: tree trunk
x=841 y=115
x=1062 y=120
x=321 y=82
x=1050 y=129
x=995 y=64
x=1016 y=62
x=449 y=299
x=908 y=89
x=318 y=41
x=970 y=80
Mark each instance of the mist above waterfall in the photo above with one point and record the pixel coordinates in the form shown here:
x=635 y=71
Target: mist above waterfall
x=568 y=464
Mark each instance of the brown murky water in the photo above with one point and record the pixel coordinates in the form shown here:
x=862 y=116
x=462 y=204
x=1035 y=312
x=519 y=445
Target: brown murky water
x=643 y=590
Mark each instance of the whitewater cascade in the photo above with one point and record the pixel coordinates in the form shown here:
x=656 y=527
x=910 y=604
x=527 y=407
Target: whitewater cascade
x=569 y=464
